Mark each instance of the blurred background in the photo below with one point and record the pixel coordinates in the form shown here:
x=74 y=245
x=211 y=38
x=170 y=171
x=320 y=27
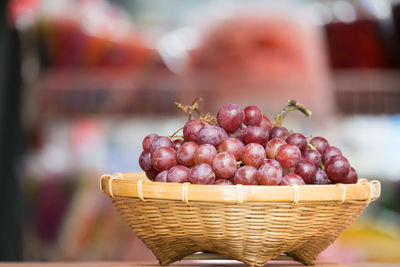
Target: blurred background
x=82 y=82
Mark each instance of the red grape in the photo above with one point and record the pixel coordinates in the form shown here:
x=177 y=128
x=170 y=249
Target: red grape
x=292 y=178
x=320 y=144
x=164 y=158
x=306 y=170
x=223 y=182
x=185 y=154
x=146 y=161
x=177 y=143
x=321 y=177
x=205 y=153
x=252 y=116
x=337 y=168
x=351 y=178
x=298 y=140
x=192 y=129
x=246 y=175
x=238 y=134
x=232 y=145
x=178 y=174
x=266 y=123
x=148 y=140
x=313 y=156
x=270 y=173
x=330 y=152
x=279 y=132
x=151 y=174
x=230 y=117
x=211 y=134
x=159 y=142
x=256 y=134
x=272 y=147
x=288 y=156
x=224 y=165
x=161 y=177
x=253 y=154
x=202 y=174
x=288 y=170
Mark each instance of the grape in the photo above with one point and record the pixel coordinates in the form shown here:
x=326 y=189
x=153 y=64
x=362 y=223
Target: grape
x=185 y=153
x=205 y=153
x=298 y=140
x=253 y=154
x=321 y=177
x=146 y=161
x=211 y=134
x=177 y=143
x=288 y=170
x=292 y=178
x=159 y=142
x=330 y=152
x=288 y=156
x=161 y=177
x=313 y=156
x=351 y=178
x=266 y=123
x=148 y=140
x=272 y=162
x=230 y=117
x=246 y=175
x=306 y=170
x=337 y=168
x=270 y=173
x=232 y=145
x=320 y=144
x=178 y=174
x=223 y=182
x=279 y=132
x=224 y=165
x=151 y=174
x=238 y=134
x=252 y=116
x=272 y=147
x=192 y=129
x=164 y=158
x=256 y=134
x=202 y=174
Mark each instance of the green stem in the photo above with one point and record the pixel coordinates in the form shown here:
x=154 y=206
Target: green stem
x=292 y=105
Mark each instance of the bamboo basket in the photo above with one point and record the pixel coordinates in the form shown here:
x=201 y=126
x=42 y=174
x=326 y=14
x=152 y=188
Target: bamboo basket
x=252 y=224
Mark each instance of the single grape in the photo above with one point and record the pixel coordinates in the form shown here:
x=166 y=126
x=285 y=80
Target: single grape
x=330 y=152
x=161 y=177
x=223 y=182
x=211 y=134
x=238 y=134
x=192 y=129
x=288 y=170
x=178 y=174
x=313 y=156
x=320 y=144
x=292 y=178
x=232 y=145
x=272 y=147
x=202 y=174
x=321 y=177
x=151 y=174
x=230 y=117
x=288 y=156
x=253 y=154
x=252 y=116
x=205 y=153
x=298 y=140
x=148 y=140
x=185 y=154
x=270 y=173
x=266 y=123
x=164 y=158
x=272 y=162
x=224 y=165
x=246 y=175
x=256 y=134
x=177 y=143
x=146 y=161
x=351 y=178
x=306 y=170
x=337 y=168
x=279 y=132
x=161 y=141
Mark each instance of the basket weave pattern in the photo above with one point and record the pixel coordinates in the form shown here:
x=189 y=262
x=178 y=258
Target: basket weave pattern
x=253 y=232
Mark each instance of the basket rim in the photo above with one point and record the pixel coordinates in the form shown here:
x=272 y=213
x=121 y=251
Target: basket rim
x=137 y=185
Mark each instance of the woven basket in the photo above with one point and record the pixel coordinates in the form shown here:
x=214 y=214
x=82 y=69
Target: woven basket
x=252 y=224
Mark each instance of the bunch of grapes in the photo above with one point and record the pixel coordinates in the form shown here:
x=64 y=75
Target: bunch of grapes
x=243 y=147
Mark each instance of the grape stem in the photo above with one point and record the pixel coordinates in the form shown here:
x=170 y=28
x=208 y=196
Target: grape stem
x=313 y=148
x=292 y=105
x=172 y=136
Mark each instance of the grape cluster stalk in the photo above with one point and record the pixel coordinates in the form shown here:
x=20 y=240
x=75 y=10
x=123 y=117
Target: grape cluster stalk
x=243 y=146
